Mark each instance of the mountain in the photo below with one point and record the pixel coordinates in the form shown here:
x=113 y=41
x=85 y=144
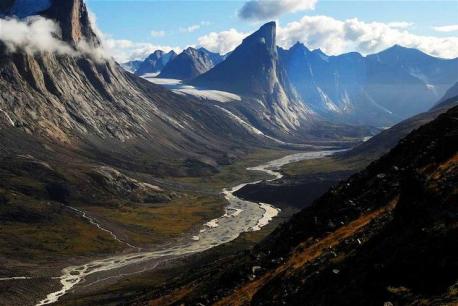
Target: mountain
x=155 y=62
x=387 y=139
x=385 y=236
x=131 y=66
x=253 y=71
x=365 y=90
x=449 y=95
x=75 y=113
x=190 y=63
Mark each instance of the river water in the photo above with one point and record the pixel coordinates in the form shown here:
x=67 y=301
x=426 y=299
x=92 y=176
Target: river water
x=240 y=216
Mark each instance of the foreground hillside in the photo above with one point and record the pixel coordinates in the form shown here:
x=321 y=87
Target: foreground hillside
x=387 y=234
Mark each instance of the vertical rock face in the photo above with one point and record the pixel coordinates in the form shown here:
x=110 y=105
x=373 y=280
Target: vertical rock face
x=250 y=69
x=253 y=70
x=73 y=19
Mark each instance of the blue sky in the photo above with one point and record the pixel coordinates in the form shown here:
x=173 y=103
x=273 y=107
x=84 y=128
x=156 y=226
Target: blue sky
x=179 y=24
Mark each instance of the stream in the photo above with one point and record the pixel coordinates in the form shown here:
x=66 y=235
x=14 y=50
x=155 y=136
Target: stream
x=240 y=216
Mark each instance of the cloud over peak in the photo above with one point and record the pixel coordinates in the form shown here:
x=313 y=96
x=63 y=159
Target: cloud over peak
x=269 y=9
x=336 y=36
x=33 y=34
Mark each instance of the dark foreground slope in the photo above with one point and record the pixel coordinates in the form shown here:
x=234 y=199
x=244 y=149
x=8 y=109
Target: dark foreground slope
x=387 y=234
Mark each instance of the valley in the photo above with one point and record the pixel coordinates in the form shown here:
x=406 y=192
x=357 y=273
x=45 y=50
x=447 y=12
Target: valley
x=239 y=217
x=308 y=162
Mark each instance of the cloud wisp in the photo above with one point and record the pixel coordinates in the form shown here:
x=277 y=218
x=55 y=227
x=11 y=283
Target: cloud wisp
x=222 y=42
x=258 y=10
x=447 y=28
x=33 y=34
x=155 y=33
x=36 y=34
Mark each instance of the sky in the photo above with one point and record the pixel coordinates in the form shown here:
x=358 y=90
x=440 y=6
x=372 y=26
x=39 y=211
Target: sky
x=132 y=29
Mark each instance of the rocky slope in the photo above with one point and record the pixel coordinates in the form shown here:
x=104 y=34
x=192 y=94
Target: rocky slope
x=385 y=235
x=190 y=64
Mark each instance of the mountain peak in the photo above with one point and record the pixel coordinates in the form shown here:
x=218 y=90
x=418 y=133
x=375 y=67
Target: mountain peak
x=265 y=35
x=73 y=19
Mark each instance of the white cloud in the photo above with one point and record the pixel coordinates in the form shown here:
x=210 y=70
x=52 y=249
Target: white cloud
x=157 y=33
x=195 y=27
x=400 y=24
x=447 y=28
x=125 y=50
x=191 y=28
x=269 y=9
x=37 y=34
x=338 y=36
x=222 y=42
x=34 y=34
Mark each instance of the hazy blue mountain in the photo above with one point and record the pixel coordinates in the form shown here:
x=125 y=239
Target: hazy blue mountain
x=131 y=66
x=379 y=89
x=190 y=64
x=155 y=62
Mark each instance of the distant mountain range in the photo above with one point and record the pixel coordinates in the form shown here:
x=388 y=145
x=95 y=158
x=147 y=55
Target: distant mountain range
x=379 y=89
x=190 y=63
x=184 y=66
x=155 y=62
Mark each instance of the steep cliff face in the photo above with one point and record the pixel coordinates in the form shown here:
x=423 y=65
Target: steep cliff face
x=253 y=70
x=73 y=19
x=73 y=97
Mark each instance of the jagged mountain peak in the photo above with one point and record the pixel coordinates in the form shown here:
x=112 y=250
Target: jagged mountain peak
x=299 y=47
x=190 y=63
x=155 y=62
x=265 y=36
x=71 y=15
x=73 y=19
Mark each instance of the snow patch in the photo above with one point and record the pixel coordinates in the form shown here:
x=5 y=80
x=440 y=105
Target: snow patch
x=178 y=87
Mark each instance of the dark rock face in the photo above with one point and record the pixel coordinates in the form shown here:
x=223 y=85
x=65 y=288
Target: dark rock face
x=250 y=69
x=73 y=18
x=253 y=71
x=190 y=64
x=155 y=62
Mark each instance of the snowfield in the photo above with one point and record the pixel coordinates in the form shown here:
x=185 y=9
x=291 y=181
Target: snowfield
x=178 y=87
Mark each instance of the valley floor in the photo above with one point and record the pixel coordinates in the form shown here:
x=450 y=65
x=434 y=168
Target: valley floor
x=119 y=230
